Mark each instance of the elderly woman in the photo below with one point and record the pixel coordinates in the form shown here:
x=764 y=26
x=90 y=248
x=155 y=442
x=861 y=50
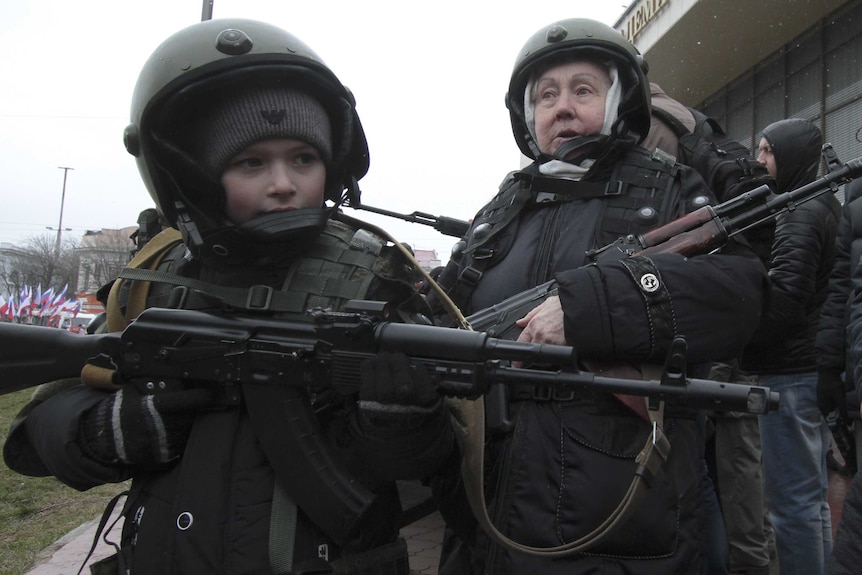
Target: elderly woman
x=559 y=463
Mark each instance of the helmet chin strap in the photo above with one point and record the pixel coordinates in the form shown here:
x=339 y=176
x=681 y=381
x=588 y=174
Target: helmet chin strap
x=270 y=238
x=187 y=227
x=278 y=226
x=191 y=217
x=583 y=145
x=352 y=193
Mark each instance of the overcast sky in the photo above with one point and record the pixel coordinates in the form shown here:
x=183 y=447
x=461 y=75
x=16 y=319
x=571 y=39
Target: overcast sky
x=429 y=80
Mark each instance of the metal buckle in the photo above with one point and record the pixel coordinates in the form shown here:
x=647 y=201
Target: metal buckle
x=259 y=297
x=609 y=191
x=470 y=276
x=542 y=392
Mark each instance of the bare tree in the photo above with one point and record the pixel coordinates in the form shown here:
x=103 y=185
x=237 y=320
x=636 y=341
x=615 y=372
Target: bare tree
x=83 y=265
x=37 y=263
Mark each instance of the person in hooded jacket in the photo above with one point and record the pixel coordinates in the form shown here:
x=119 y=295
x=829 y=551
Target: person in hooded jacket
x=795 y=440
x=558 y=462
x=242 y=135
x=837 y=393
x=847 y=552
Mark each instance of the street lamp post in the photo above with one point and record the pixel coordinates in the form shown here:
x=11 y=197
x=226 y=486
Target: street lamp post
x=62 y=203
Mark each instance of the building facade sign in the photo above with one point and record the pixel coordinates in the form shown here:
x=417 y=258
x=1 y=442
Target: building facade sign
x=642 y=15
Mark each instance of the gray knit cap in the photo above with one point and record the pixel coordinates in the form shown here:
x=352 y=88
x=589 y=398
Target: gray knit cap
x=234 y=122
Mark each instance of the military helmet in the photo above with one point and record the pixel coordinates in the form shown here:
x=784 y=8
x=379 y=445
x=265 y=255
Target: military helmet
x=205 y=59
x=581 y=37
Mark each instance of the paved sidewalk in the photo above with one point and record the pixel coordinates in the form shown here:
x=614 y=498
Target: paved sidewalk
x=424 y=539
x=65 y=556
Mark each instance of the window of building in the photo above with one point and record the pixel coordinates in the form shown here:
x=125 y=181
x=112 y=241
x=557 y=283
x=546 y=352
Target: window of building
x=815 y=76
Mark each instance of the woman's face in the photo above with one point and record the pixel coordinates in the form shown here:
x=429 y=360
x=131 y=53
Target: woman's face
x=569 y=102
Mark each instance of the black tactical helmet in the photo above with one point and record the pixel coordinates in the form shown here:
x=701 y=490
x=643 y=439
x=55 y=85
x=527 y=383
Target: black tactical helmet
x=581 y=37
x=205 y=59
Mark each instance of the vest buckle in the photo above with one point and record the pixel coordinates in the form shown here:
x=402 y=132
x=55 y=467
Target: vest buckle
x=259 y=297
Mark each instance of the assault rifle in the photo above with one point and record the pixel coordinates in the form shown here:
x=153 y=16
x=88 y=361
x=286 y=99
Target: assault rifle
x=168 y=349
x=701 y=231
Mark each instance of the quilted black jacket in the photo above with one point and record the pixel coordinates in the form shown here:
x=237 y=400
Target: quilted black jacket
x=831 y=337
x=803 y=254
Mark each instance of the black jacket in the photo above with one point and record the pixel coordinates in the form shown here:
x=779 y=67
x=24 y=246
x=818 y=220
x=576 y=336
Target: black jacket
x=847 y=551
x=565 y=464
x=831 y=340
x=803 y=253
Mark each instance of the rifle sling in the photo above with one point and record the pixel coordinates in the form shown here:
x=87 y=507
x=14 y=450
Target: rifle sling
x=468 y=419
x=282 y=530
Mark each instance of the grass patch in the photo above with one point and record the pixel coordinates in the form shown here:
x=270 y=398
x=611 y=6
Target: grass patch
x=36 y=511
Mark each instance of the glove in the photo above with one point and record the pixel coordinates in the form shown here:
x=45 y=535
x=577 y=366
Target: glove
x=831 y=393
x=141 y=430
x=392 y=395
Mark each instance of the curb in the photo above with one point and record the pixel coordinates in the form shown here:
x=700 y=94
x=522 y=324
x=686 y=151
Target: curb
x=65 y=556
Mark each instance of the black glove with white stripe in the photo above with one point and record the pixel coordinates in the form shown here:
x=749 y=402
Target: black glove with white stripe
x=141 y=430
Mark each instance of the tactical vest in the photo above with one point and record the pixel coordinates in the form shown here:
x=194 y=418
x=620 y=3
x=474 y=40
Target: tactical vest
x=637 y=198
x=340 y=266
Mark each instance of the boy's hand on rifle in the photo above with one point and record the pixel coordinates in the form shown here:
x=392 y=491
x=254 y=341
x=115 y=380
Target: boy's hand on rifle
x=394 y=395
x=142 y=430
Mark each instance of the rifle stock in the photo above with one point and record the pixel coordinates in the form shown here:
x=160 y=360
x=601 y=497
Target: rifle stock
x=31 y=355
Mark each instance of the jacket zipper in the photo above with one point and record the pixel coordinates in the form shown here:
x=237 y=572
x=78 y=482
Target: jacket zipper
x=543 y=271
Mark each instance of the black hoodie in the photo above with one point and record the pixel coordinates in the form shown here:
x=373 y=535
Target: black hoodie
x=803 y=253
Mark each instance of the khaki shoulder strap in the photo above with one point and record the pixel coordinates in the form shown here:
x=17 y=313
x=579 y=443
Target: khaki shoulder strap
x=148 y=257
x=468 y=420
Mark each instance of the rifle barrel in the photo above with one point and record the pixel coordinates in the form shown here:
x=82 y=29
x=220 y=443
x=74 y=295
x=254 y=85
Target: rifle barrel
x=694 y=393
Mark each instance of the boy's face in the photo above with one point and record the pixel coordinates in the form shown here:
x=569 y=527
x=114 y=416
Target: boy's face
x=273 y=176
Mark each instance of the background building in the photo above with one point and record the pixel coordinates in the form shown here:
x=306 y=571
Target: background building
x=427 y=259
x=102 y=256
x=748 y=64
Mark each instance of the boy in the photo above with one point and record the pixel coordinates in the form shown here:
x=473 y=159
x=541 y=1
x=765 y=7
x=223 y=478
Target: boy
x=241 y=133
